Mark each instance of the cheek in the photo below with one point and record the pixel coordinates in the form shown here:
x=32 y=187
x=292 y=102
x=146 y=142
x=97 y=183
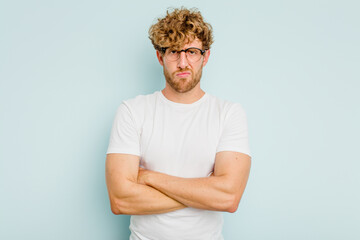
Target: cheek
x=168 y=68
x=197 y=68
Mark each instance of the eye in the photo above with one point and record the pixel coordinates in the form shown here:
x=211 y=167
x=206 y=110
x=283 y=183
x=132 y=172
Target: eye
x=193 y=51
x=172 y=51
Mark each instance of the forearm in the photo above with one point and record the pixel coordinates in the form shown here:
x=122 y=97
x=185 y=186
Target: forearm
x=141 y=200
x=126 y=195
x=210 y=193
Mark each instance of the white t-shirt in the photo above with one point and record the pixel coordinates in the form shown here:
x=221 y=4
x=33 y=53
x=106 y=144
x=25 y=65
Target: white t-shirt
x=180 y=140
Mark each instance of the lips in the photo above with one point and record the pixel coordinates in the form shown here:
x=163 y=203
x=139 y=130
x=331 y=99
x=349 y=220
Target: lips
x=183 y=74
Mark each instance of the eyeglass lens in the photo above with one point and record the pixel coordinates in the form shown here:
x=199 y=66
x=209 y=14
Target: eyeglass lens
x=192 y=54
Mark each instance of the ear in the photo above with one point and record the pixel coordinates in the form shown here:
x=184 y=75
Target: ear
x=160 y=58
x=206 y=57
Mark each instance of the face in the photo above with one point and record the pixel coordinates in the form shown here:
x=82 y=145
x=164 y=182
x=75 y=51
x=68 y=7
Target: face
x=182 y=75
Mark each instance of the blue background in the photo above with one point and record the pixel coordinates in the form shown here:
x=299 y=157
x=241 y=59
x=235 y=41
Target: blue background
x=65 y=66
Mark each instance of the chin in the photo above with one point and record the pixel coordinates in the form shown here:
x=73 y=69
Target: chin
x=183 y=89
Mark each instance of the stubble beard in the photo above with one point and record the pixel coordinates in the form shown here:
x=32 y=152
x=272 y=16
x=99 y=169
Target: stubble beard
x=183 y=85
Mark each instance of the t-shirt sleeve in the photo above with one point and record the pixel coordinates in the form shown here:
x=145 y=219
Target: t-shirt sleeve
x=234 y=136
x=124 y=137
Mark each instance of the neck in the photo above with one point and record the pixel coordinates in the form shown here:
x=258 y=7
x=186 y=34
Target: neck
x=187 y=98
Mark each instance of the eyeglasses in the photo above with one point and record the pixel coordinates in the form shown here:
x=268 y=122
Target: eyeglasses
x=193 y=54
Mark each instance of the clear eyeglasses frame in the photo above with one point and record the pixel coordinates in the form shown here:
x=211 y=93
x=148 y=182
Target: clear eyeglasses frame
x=193 y=54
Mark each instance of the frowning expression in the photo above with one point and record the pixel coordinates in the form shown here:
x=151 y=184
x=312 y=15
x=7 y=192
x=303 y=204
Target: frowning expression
x=183 y=74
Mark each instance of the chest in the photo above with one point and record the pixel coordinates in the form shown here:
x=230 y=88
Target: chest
x=180 y=143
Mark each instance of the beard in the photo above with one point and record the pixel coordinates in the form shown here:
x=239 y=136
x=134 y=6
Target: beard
x=183 y=85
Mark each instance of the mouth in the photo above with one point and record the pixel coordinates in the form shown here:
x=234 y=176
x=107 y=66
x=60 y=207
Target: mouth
x=183 y=74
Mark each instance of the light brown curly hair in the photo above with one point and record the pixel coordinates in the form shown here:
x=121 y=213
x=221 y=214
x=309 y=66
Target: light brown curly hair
x=180 y=27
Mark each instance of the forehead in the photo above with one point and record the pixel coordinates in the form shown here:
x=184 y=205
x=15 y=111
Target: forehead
x=195 y=43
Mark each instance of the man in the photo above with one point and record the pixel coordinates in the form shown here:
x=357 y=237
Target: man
x=179 y=157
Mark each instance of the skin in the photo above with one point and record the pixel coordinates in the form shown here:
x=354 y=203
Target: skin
x=221 y=191
x=183 y=89
x=126 y=195
x=133 y=190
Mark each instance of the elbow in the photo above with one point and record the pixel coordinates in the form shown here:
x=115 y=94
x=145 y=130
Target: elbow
x=232 y=208
x=232 y=204
x=227 y=203
x=121 y=202
x=115 y=210
x=117 y=206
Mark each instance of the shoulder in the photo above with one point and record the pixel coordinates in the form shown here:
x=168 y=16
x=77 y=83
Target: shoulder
x=141 y=100
x=140 y=103
x=138 y=107
x=225 y=107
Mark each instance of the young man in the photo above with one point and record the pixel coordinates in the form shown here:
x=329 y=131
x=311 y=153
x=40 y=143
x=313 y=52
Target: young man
x=178 y=157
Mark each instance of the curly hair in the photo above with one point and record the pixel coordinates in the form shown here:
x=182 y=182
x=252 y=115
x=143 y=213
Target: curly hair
x=180 y=27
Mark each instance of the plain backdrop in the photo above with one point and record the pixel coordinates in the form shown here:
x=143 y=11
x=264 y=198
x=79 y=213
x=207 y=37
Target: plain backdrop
x=65 y=66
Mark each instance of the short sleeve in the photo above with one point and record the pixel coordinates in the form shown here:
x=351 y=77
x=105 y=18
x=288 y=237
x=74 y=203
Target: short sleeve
x=234 y=136
x=124 y=137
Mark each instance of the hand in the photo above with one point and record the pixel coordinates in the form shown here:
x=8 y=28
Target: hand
x=143 y=175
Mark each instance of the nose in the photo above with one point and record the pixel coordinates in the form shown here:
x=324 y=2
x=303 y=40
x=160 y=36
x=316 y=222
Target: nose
x=182 y=61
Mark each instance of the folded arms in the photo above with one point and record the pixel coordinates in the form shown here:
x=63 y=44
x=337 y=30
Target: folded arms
x=135 y=191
